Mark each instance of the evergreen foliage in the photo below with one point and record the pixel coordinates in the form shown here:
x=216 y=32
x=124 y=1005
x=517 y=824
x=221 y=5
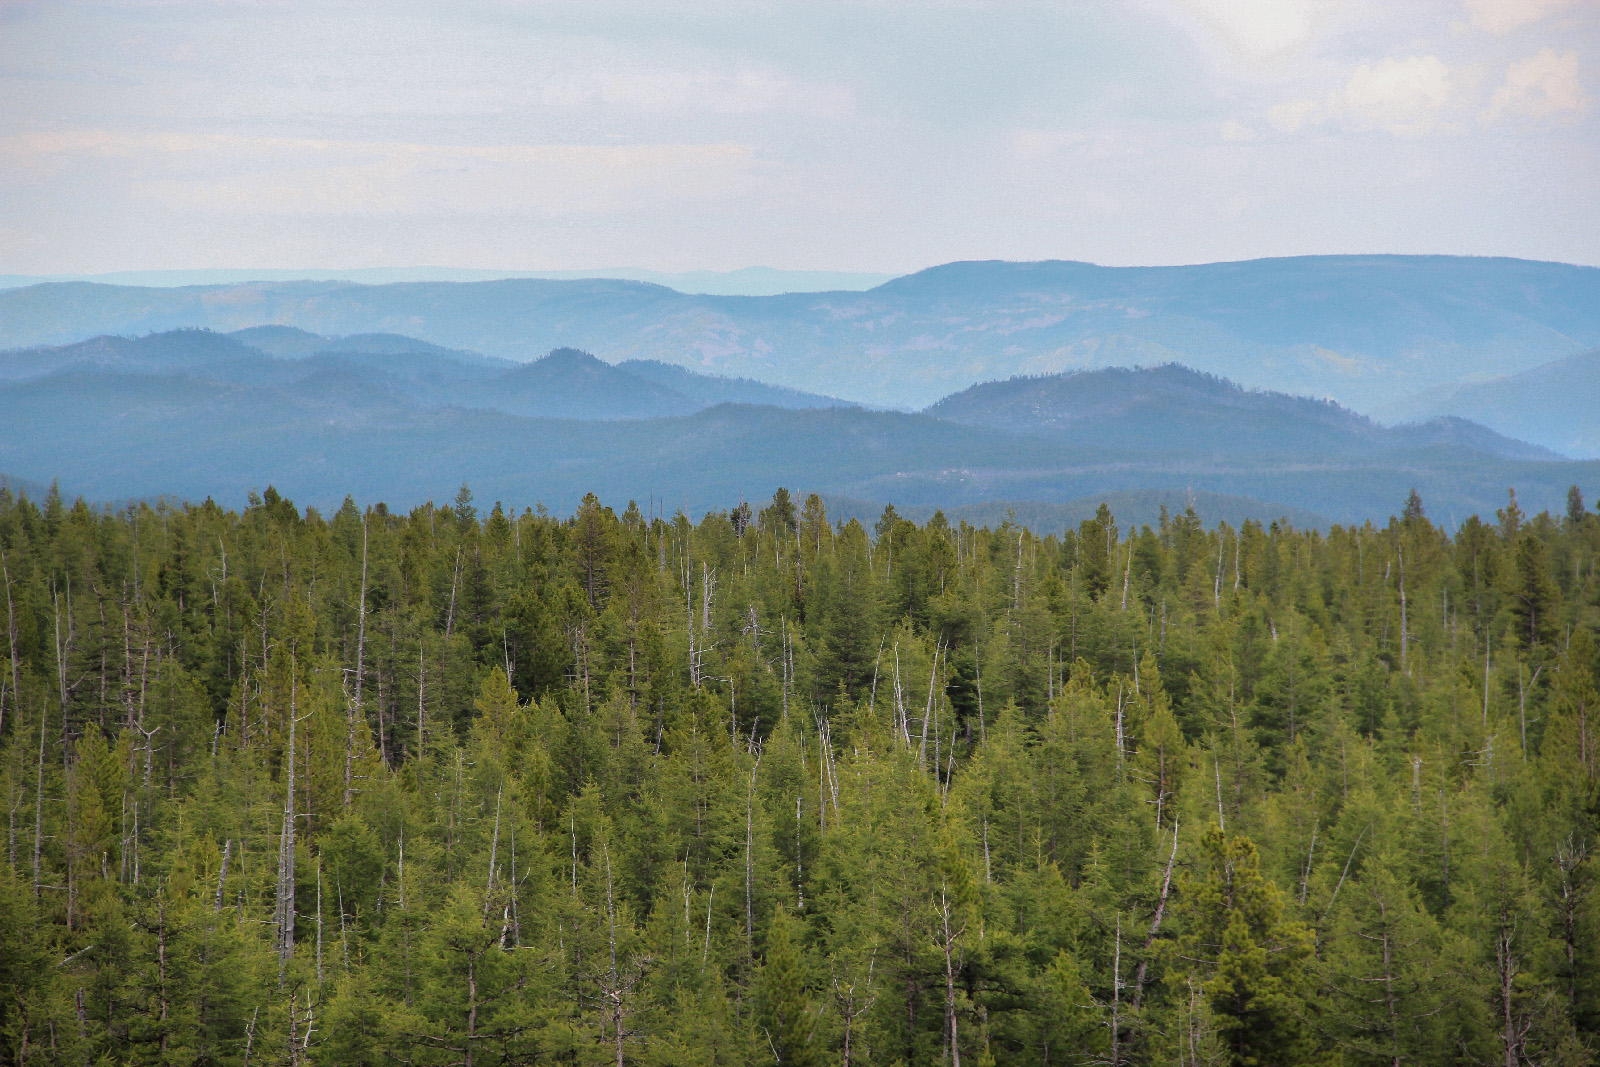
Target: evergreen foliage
x=468 y=786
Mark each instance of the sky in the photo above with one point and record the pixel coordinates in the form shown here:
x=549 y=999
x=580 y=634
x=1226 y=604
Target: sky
x=868 y=135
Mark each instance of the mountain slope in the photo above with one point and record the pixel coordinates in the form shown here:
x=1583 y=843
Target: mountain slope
x=709 y=389
x=284 y=342
x=568 y=383
x=1359 y=329
x=394 y=344
x=115 y=435
x=186 y=349
x=1556 y=405
x=393 y=369
x=1174 y=410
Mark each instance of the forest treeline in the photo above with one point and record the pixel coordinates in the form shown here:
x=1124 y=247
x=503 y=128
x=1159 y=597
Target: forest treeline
x=509 y=788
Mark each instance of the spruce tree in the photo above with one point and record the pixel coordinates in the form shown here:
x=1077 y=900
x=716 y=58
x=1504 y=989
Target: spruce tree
x=1250 y=958
x=785 y=1011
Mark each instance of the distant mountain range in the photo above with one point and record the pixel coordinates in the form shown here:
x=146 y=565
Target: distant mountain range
x=1362 y=330
x=192 y=413
x=392 y=372
x=1557 y=405
x=746 y=281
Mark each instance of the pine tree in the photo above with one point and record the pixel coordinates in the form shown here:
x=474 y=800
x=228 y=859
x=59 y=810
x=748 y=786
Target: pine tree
x=1252 y=960
x=785 y=1011
x=1385 y=966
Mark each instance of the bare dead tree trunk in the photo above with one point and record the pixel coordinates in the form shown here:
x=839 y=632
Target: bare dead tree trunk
x=1116 y=998
x=61 y=682
x=250 y=1034
x=284 y=910
x=1401 y=555
x=1155 y=922
x=38 y=806
x=1389 y=978
x=11 y=627
x=449 y=626
x=422 y=709
x=494 y=851
x=352 y=710
x=848 y=1011
x=161 y=958
x=222 y=876
x=948 y=945
x=749 y=869
x=616 y=983
x=361 y=626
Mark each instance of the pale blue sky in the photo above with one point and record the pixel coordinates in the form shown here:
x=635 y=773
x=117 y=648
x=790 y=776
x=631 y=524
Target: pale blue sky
x=871 y=135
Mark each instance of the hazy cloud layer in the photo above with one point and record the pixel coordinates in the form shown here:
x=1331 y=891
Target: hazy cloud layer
x=868 y=135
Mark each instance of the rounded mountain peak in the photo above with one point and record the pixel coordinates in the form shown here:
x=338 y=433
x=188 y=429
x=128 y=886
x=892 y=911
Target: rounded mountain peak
x=571 y=357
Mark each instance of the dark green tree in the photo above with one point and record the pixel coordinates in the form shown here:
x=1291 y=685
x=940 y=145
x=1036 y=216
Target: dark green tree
x=786 y=1013
x=1534 y=597
x=1252 y=959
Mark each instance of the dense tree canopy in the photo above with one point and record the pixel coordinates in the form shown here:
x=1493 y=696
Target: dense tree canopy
x=463 y=788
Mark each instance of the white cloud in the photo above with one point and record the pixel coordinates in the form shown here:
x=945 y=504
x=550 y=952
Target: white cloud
x=1259 y=28
x=1291 y=116
x=1400 y=95
x=1503 y=16
x=1538 y=87
x=1236 y=132
x=314 y=177
x=675 y=91
x=707 y=133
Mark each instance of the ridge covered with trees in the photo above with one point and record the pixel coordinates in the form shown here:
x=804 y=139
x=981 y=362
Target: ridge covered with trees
x=456 y=788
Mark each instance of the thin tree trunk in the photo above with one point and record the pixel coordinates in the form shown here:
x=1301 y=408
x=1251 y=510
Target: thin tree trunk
x=749 y=869
x=616 y=984
x=222 y=878
x=494 y=852
x=952 y=1034
x=1401 y=555
x=38 y=806
x=361 y=626
x=11 y=627
x=449 y=626
x=1507 y=965
x=161 y=958
x=1155 y=922
x=61 y=682
x=1116 y=998
x=285 y=902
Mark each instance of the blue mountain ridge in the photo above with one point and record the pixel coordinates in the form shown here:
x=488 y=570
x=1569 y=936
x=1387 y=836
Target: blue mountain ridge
x=194 y=414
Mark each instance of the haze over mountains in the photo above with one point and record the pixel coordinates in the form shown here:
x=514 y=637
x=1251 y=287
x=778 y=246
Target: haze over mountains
x=1557 y=404
x=391 y=372
x=384 y=416
x=1173 y=409
x=746 y=281
x=1367 y=331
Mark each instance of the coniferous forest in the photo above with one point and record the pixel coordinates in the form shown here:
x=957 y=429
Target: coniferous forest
x=484 y=786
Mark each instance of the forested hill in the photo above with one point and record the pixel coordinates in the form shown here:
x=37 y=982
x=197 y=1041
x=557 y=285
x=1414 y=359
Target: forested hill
x=453 y=787
x=1173 y=409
